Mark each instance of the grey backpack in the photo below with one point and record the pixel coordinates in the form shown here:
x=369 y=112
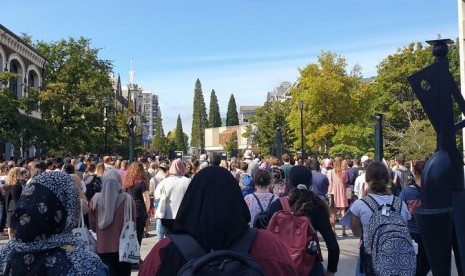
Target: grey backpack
x=388 y=240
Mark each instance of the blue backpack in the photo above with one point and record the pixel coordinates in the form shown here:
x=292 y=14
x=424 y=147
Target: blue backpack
x=246 y=183
x=387 y=244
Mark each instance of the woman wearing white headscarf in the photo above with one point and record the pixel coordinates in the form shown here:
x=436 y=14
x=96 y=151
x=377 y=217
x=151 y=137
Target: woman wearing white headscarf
x=106 y=217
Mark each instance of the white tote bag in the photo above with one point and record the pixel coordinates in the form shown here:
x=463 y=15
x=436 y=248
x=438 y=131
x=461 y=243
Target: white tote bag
x=129 y=248
x=83 y=234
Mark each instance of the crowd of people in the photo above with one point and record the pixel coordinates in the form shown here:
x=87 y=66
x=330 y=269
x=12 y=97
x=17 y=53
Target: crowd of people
x=213 y=200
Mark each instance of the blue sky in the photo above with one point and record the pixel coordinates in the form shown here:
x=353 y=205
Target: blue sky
x=245 y=48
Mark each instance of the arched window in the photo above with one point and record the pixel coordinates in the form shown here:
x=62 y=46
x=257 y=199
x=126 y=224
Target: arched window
x=16 y=84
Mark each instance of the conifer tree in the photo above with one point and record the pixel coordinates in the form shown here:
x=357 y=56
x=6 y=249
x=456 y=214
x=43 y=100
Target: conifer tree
x=214 y=118
x=199 y=119
x=159 y=139
x=179 y=136
x=232 y=118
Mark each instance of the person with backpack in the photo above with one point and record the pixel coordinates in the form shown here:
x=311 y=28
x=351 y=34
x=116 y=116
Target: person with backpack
x=380 y=220
x=259 y=201
x=402 y=176
x=302 y=201
x=245 y=180
x=411 y=195
x=214 y=213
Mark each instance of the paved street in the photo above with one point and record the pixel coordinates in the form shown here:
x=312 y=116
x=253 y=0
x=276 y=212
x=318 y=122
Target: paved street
x=347 y=259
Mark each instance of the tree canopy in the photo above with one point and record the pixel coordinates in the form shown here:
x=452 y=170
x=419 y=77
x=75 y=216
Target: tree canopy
x=214 y=118
x=232 y=119
x=199 y=118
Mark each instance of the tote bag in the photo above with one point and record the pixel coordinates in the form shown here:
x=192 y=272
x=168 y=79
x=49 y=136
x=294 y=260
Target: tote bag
x=84 y=235
x=129 y=248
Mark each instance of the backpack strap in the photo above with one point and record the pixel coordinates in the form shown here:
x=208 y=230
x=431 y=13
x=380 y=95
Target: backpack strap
x=285 y=203
x=396 y=204
x=188 y=246
x=258 y=200
x=371 y=203
x=245 y=242
x=269 y=203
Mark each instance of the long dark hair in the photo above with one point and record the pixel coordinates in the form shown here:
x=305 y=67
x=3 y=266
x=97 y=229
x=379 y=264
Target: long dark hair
x=302 y=201
x=377 y=177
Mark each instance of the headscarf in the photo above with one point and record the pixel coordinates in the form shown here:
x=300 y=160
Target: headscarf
x=212 y=211
x=177 y=168
x=300 y=175
x=109 y=198
x=48 y=211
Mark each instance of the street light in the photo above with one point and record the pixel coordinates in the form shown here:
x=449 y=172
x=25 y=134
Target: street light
x=131 y=129
x=301 y=108
x=106 y=102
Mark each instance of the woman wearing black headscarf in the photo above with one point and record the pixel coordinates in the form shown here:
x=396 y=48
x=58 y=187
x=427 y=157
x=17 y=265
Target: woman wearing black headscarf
x=214 y=213
x=302 y=200
x=47 y=212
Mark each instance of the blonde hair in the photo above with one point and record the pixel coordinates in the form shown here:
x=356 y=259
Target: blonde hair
x=337 y=165
x=224 y=164
x=14 y=175
x=100 y=169
x=117 y=164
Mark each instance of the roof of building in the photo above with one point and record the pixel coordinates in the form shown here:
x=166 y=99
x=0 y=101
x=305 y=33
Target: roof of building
x=5 y=29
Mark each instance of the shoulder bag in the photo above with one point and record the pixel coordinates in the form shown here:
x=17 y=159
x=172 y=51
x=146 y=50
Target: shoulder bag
x=129 y=248
x=84 y=235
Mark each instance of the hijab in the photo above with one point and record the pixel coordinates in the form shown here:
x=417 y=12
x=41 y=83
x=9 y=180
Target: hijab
x=300 y=174
x=211 y=200
x=109 y=198
x=47 y=212
x=177 y=168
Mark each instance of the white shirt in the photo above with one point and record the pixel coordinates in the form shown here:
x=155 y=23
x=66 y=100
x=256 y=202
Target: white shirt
x=360 y=185
x=174 y=188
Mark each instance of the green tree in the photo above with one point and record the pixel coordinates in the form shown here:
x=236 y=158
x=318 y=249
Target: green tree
x=199 y=119
x=72 y=101
x=395 y=98
x=232 y=118
x=180 y=143
x=331 y=97
x=231 y=147
x=10 y=127
x=404 y=115
x=160 y=142
x=267 y=118
x=214 y=118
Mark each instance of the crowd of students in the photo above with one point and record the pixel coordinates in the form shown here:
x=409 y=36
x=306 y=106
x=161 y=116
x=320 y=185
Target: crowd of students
x=206 y=197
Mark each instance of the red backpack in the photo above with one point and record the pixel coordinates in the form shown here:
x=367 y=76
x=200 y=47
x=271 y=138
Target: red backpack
x=297 y=234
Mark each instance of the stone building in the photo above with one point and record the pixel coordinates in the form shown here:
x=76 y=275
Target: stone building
x=18 y=57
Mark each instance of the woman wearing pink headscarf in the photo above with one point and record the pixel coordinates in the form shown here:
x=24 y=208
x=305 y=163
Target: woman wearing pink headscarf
x=172 y=188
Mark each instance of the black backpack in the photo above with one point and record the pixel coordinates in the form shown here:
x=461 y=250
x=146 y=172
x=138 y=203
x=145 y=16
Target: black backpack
x=261 y=219
x=233 y=261
x=404 y=178
x=94 y=186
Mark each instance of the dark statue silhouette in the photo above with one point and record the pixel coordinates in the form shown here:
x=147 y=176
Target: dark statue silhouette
x=441 y=218
x=278 y=145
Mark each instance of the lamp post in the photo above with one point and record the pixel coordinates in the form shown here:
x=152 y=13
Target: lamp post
x=106 y=102
x=379 y=154
x=301 y=108
x=131 y=129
